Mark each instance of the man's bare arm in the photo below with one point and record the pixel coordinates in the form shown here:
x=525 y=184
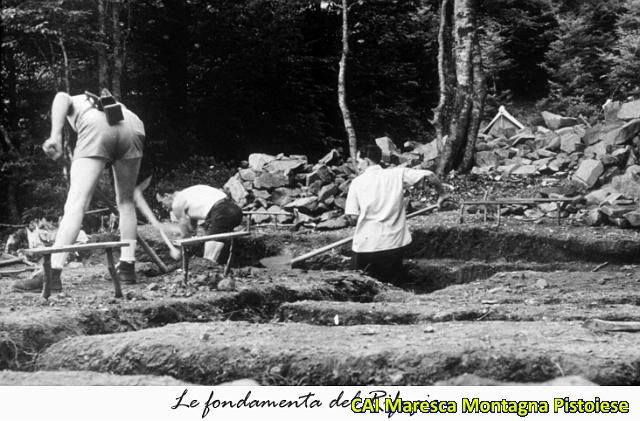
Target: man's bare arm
x=435 y=182
x=60 y=108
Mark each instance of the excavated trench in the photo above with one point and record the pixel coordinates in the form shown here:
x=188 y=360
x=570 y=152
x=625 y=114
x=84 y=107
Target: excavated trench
x=506 y=305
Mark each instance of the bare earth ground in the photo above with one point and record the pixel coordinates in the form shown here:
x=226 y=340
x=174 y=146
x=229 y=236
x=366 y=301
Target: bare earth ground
x=478 y=303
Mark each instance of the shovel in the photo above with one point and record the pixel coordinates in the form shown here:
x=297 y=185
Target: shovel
x=286 y=262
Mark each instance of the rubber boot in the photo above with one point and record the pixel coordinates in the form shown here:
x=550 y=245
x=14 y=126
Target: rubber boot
x=34 y=284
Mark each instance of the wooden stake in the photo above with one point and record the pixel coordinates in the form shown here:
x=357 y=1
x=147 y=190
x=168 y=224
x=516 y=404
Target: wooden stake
x=46 y=284
x=115 y=277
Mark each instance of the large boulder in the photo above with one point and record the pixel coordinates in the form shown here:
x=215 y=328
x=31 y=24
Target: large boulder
x=629 y=182
x=429 y=151
x=236 y=190
x=270 y=180
x=633 y=218
x=259 y=160
x=285 y=166
x=555 y=121
x=588 y=172
x=629 y=110
x=320 y=172
x=332 y=158
x=308 y=204
x=627 y=132
x=327 y=191
x=387 y=147
x=333 y=224
x=486 y=159
x=283 y=195
x=610 y=110
x=570 y=142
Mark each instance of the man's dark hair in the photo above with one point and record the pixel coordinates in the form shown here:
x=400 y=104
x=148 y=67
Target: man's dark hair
x=373 y=153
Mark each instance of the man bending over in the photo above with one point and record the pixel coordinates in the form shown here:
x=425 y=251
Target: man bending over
x=201 y=203
x=99 y=142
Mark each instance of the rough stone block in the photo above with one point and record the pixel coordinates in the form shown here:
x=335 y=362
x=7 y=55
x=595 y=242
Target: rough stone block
x=588 y=172
x=629 y=110
x=236 y=190
x=259 y=160
x=555 y=121
x=270 y=180
x=387 y=147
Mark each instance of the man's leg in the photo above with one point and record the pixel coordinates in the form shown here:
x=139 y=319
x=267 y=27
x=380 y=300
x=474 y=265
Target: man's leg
x=84 y=176
x=125 y=175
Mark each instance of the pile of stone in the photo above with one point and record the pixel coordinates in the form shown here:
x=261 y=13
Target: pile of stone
x=315 y=193
x=604 y=158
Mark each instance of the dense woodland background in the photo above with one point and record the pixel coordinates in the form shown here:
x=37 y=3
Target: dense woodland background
x=216 y=80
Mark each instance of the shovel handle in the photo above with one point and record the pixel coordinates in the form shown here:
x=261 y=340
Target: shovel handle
x=321 y=250
x=347 y=240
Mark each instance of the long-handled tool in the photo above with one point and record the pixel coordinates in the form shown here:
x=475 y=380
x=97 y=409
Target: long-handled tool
x=142 y=204
x=286 y=262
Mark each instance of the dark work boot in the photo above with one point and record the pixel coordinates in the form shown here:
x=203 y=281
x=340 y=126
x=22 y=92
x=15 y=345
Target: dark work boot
x=34 y=284
x=127 y=272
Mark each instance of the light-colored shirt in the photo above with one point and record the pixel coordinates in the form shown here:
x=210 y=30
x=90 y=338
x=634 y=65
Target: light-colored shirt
x=376 y=196
x=195 y=202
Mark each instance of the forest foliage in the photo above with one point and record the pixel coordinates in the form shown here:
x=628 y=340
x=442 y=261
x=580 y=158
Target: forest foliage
x=225 y=78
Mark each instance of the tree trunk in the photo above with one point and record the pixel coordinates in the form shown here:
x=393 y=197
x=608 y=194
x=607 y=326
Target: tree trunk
x=10 y=89
x=342 y=96
x=103 y=64
x=446 y=71
x=116 y=71
x=65 y=66
x=479 y=96
x=463 y=31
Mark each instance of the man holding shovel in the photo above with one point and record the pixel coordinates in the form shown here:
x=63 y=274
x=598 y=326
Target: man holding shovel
x=107 y=133
x=376 y=199
x=207 y=205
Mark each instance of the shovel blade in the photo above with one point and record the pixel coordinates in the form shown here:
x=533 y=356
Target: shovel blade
x=276 y=262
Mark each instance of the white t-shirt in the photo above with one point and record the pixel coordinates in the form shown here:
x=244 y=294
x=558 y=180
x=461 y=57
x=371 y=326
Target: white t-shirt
x=376 y=196
x=196 y=201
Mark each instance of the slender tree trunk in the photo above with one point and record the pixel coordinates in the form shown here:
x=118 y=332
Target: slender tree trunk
x=11 y=180
x=463 y=30
x=479 y=96
x=103 y=64
x=342 y=95
x=116 y=71
x=446 y=71
x=10 y=88
x=65 y=66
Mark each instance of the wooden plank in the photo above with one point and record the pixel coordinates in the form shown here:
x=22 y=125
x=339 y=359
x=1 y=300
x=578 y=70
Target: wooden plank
x=516 y=201
x=611 y=326
x=267 y=213
x=197 y=240
x=43 y=251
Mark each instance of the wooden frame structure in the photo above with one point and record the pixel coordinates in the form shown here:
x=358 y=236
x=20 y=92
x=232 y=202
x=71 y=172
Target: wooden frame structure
x=512 y=201
x=185 y=243
x=46 y=253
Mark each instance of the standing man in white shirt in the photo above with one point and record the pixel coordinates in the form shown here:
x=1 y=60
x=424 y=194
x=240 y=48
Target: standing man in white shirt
x=202 y=203
x=376 y=199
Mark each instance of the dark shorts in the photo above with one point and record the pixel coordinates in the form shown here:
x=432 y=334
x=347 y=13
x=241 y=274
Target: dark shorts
x=97 y=139
x=385 y=265
x=224 y=216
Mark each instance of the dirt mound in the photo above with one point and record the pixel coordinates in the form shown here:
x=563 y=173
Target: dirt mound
x=90 y=309
x=294 y=353
x=84 y=378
